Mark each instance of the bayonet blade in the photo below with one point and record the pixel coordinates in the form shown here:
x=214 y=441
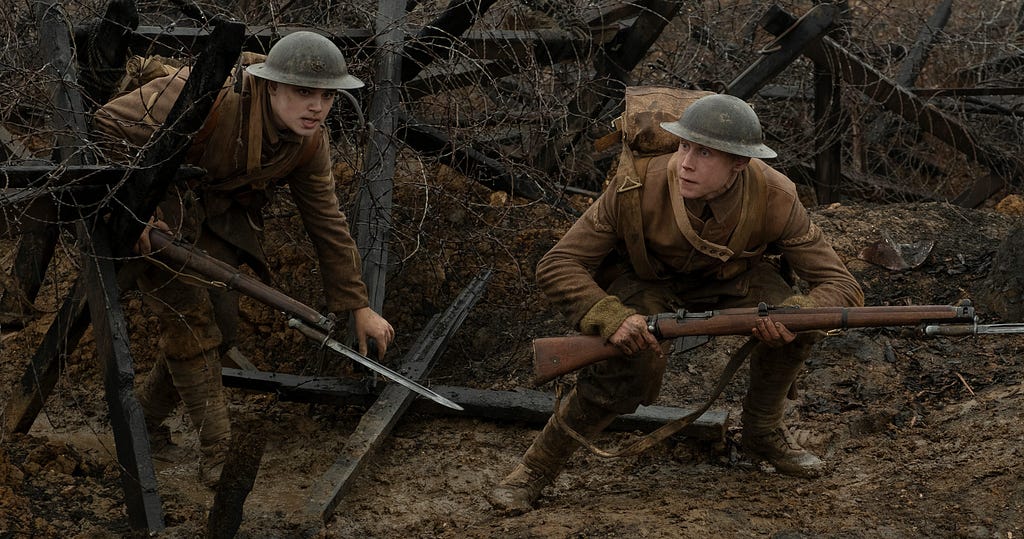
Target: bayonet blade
x=336 y=346
x=973 y=329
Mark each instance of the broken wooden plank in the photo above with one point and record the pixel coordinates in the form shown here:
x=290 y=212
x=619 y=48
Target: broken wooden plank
x=912 y=64
x=528 y=406
x=898 y=99
x=378 y=421
x=473 y=164
x=441 y=35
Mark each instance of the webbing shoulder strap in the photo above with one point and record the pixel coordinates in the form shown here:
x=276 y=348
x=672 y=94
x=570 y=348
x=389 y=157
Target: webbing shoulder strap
x=631 y=172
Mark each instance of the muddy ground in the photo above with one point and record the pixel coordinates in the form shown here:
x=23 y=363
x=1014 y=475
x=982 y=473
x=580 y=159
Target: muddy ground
x=923 y=436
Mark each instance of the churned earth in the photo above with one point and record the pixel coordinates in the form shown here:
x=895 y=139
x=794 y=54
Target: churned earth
x=923 y=436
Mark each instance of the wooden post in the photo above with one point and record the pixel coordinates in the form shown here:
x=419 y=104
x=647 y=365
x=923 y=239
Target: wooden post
x=372 y=221
x=138 y=477
x=829 y=126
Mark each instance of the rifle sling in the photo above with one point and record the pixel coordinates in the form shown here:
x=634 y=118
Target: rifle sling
x=662 y=433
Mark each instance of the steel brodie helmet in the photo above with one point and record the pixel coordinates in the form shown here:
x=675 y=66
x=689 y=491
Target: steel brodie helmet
x=306 y=59
x=723 y=122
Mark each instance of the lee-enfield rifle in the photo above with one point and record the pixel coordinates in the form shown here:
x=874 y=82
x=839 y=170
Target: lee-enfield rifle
x=302 y=317
x=555 y=356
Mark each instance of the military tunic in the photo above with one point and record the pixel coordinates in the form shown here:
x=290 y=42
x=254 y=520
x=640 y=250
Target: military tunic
x=606 y=268
x=245 y=157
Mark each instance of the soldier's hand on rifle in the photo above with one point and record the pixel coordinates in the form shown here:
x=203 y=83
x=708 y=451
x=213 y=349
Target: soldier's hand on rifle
x=370 y=325
x=142 y=245
x=633 y=336
x=772 y=333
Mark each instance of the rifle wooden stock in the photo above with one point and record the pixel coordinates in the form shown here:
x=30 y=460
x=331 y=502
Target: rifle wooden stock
x=555 y=356
x=179 y=256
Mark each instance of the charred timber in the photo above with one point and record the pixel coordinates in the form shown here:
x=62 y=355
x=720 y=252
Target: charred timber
x=522 y=405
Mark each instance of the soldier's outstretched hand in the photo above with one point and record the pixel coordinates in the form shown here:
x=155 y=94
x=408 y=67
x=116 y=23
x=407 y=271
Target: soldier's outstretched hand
x=370 y=325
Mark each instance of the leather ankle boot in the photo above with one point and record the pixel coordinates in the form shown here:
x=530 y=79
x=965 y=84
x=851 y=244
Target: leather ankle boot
x=546 y=457
x=781 y=449
x=772 y=373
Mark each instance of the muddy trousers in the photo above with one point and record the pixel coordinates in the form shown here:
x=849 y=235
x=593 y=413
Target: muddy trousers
x=196 y=383
x=772 y=372
x=187 y=368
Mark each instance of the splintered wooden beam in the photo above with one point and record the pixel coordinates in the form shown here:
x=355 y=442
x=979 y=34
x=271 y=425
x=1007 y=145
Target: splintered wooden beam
x=901 y=101
x=526 y=405
x=429 y=140
x=378 y=421
x=779 y=54
x=827 y=112
x=441 y=35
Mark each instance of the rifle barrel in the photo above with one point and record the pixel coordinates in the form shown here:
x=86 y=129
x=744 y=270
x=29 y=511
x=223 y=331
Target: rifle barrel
x=176 y=255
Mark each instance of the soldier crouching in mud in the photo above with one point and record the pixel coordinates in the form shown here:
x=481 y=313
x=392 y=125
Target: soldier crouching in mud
x=264 y=129
x=691 y=233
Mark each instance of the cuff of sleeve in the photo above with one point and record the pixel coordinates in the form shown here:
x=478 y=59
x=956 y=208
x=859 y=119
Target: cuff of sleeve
x=605 y=317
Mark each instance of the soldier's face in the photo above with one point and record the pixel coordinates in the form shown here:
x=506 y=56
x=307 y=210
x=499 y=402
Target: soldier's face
x=298 y=108
x=704 y=173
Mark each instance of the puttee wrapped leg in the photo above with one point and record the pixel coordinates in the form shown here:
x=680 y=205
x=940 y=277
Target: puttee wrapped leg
x=772 y=373
x=546 y=457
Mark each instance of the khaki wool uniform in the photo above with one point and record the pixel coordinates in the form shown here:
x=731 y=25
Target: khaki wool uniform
x=606 y=268
x=245 y=157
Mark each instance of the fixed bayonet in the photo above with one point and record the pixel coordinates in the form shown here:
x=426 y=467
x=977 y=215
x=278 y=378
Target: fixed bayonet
x=973 y=329
x=327 y=341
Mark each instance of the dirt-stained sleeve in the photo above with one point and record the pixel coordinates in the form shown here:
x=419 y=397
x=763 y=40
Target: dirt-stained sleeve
x=814 y=260
x=566 y=272
x=313 y=189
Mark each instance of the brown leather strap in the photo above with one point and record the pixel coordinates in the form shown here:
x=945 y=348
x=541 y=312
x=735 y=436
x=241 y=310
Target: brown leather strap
x=632 y=172
x=753 y=208
x=662 y=433
x=607 y=141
